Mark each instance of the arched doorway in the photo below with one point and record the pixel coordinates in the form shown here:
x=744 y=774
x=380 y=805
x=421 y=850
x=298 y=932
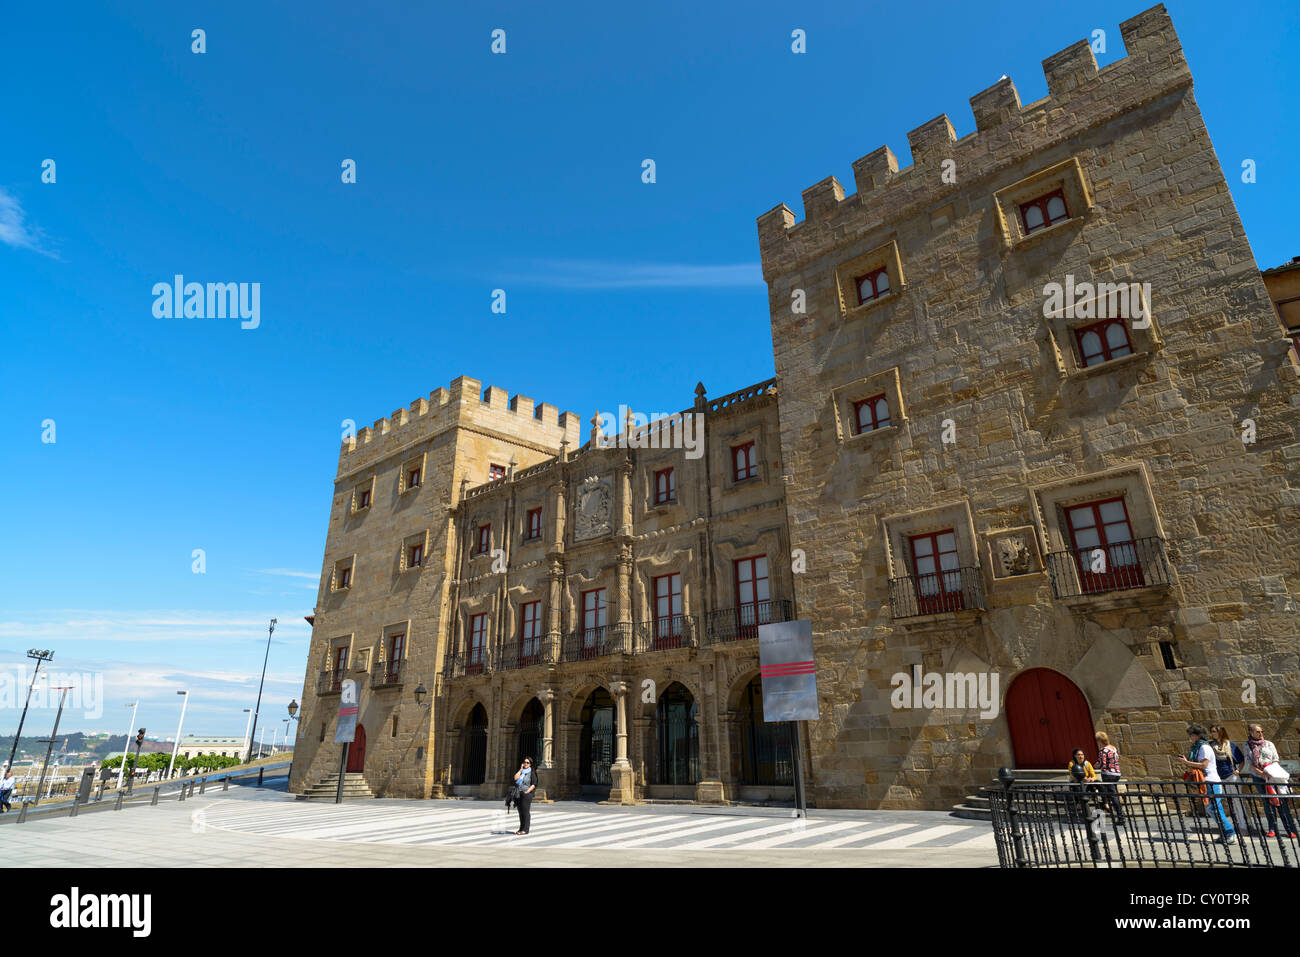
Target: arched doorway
x=1048 y=718
x=357 y=751
x=473 y=765
x=531 y=734
x=596 y=745
x=676 y=767
x=767 y=750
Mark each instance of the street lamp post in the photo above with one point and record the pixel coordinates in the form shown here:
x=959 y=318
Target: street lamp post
x=126 y=745
x=262 y=683
x=176 y=747
x=53 y=737
x=261 y=740
x=248 y=742
x=38 y=656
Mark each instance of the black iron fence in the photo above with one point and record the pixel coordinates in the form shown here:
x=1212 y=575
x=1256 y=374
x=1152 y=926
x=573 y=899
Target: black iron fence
x=1143 y=824
x=737 y=624
x=955 y=589
x=469 y=663
x=329 y=682
x=587 y=643
x=526 y=652
x=664 y=634
x=387 y=674
x=1108 y=568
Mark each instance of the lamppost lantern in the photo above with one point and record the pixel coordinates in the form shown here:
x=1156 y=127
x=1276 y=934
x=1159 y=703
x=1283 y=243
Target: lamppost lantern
x=420 y=692
x=293 y=708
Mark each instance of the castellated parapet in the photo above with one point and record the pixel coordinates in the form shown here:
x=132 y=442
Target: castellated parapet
x=1080 y=97
x=466 y=405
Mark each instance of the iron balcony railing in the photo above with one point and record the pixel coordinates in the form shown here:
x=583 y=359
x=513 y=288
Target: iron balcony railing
x=664 y=634
x=1108 y=568
x=473 y=662
x=526 y=652
x=329 y=682
x=956 y=589
x=1143 y=824
x=587 y=643
x=737 y=624
x=386 y=674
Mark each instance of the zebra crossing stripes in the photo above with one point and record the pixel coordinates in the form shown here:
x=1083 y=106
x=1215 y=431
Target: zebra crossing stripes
x=577 y=827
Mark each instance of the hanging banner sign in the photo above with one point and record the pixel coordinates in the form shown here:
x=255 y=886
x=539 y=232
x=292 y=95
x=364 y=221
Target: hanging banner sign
x=785 y=658
x=346 y=731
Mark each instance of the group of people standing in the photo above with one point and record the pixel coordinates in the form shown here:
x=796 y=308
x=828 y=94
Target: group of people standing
x=1212 y=760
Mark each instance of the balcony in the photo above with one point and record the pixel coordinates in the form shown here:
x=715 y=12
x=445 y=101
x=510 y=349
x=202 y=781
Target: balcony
x=465 y=665
x=1081 y=572
x=525 y=653
x=945 y=592
x=386 y=674
x=329 y=682
x=587 y=643
x=665 y=634
x=738 y=624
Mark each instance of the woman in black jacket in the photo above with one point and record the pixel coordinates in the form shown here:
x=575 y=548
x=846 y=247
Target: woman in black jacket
x=526 y=782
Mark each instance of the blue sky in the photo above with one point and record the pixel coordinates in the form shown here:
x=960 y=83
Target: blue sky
x=474 y=172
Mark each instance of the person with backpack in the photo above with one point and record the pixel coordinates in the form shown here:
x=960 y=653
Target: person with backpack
x=1108 y=768
x=1200 y=758
x=526 y=783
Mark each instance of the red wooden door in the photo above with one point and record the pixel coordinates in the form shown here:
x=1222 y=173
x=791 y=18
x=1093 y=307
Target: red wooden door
x=1049 y=718
x=357 y=752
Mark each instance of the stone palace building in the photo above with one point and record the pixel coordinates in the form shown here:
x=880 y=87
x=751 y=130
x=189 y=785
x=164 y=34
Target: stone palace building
x=1031 y=444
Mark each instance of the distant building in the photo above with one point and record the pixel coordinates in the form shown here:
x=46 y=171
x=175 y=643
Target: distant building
x=192 y=745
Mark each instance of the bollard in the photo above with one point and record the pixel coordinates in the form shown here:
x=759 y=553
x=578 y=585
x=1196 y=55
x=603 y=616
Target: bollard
x=182 y=791
x=203 y=785
x=117 y=805
x=157 y=791
x=225 y=783
x=22 y=812
x=73 y=812
x=260 y=772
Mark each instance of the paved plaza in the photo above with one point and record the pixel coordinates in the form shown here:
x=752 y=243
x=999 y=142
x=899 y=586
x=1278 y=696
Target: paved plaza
x=266 y=827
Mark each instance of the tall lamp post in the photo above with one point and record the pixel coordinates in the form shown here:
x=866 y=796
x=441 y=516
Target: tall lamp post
x=270 y=631
x=293 y=716
x=126 y=745
x=177 y=746
x=38 y=657
x=248 y=742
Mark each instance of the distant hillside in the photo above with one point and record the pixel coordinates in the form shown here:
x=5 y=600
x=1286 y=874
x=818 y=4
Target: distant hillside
x=33 y=747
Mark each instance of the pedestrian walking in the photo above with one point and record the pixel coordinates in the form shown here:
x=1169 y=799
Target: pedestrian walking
x=7 y=785
x=1260 y=753
x=526 y=782
x=1108 y=769
x=1200 y=757
x=1228 y=759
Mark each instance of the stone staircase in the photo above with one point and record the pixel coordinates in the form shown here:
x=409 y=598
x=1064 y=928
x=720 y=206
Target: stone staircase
x=975 y=807
x=354 y=788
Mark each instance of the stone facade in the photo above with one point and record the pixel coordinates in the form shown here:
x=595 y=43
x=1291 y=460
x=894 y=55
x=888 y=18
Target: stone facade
x=1007 y=424
x=1032 y=427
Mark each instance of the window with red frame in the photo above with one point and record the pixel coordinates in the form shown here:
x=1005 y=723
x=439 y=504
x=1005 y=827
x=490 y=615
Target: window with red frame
x=477 y=644
x=340 y=666
x=872 y=286
x=745 y=460
x=530 y=631
x=668 y=611
x=345 y=577
x=416 y=556
x=496 y=472
x=413 y=478
x=753 y=598
x=871 y=414
x=396 y=646
x=1103 y=546
x=363 y=500
x=593 y=621
x=484 y=538
x=1044 y=211
x=534 y=523
x=1103 y=341
x=665 y=486
x=937 y=569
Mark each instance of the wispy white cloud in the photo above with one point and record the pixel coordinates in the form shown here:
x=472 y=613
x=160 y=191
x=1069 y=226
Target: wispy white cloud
x=148 y=626
x=311 y=579
x=595 y=274
x=14 y=231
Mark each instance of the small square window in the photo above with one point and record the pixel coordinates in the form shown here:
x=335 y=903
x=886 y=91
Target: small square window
x=665 y=486
x=534 y=526
x=872 y=286
x=871 y=414
x=1102 y=341
x=343 y=574
x=745 y=461
x=1043 y=211
x=496 y=472
x=413 y=478
x=415 y=557
x=363 y=499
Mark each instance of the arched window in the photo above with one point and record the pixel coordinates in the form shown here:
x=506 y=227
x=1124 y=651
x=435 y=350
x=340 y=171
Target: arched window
x=677 y=738
x=767 y=750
